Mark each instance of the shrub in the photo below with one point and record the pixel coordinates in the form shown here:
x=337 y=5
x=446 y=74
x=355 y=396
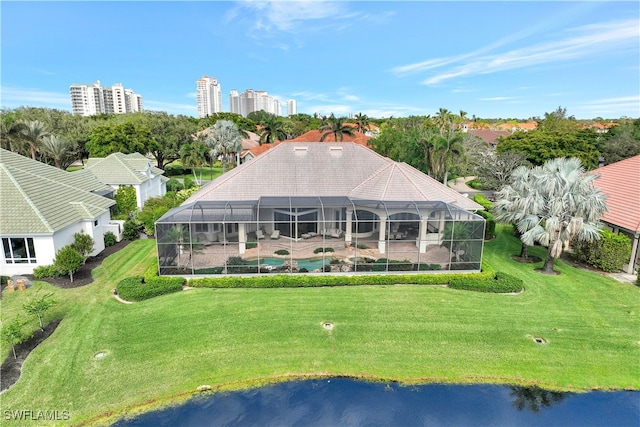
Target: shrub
x=126 y=201
x=500 y=283
x=138 y=289
x=362 y=246
x=68 y=261
x=131 y=230
x=475 y=184
x=490 y=225
x=188 y=183
x=320 y=250
x=109 y=239
x=483 y=201
x=4 y=280
x=45 y=272
x=251 y=245
x=83 y=244
x=281 y=252
x=610 y=253
x=174 y=185
x=174 y=169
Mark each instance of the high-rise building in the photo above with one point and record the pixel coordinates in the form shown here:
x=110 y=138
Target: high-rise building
x=208 y=96
x=253 y=100
x=292 y=107
x=89 y=100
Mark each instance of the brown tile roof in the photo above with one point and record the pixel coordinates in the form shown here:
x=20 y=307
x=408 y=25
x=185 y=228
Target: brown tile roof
x=488 y=135
x=620 y=181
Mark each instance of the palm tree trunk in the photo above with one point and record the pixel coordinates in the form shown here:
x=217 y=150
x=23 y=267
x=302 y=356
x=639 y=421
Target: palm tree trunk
x=548 y=262
x=524 y=251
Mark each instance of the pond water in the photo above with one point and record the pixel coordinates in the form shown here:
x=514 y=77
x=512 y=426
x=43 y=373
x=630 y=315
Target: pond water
x=346 y=402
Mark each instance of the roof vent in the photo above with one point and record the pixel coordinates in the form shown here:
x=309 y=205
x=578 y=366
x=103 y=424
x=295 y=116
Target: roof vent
x=299 y=148
x=334 y=148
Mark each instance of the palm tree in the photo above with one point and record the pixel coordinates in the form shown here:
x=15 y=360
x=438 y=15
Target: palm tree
x=33 y=132
x=337 y=127
x=58 y=150
x=11 y=133
x=272 y=130
x=440 y=147
x=362 y=122
x=443 y=118
x=194 y=155
x=558 y=203
x=224 y=141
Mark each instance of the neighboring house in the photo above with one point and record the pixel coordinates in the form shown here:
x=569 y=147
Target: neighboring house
x=516 y=127
x=620 y=181
x=42 y=207
x=300 y=196
x=134 y=170
x=489 y=136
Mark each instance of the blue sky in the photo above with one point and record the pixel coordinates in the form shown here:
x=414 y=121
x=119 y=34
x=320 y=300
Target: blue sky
x=490 y=59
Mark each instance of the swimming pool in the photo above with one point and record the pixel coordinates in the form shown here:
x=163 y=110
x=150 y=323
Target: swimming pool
x=310 y=264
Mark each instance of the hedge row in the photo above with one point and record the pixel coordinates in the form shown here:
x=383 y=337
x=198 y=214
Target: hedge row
x=500 y=283
x=490 y=224
x=136 y=288
x=302 y=281
x=483 y=201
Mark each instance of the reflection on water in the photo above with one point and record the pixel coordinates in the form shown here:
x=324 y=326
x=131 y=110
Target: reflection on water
x=345 y=402
x=534 y=398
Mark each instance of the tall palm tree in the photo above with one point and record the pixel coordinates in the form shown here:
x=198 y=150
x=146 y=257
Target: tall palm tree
x=60 y=151
x=224 y=141
x=272 y=130
x=11 y=133
x=194 y=155
x=337 y=127
x=561 y=203
x=443 y=118
x=33 y=132
x=362 y=122
x=440 y=148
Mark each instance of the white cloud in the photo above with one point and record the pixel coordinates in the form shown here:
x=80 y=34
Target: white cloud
x=585 y=41
x=12 y=97
x=621 y=106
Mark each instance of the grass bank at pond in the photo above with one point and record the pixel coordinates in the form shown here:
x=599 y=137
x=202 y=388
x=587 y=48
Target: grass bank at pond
x=168 y=346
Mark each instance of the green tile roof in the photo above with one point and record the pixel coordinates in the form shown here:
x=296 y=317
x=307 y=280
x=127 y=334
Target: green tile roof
x=36 y=198
x=121 y=169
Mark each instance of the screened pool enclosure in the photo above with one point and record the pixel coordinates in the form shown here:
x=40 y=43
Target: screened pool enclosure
x=317 y=235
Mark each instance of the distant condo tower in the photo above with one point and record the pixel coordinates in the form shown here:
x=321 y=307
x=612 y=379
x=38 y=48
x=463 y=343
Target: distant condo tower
x=208 y=96
x=89 y=100
x=253 y=100
x=292 y=107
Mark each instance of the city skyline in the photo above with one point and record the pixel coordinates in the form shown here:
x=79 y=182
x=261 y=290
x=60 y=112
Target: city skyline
x=489 y=59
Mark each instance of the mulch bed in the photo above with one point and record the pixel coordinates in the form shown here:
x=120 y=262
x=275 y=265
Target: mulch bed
x=83 y=276
x=12 y=366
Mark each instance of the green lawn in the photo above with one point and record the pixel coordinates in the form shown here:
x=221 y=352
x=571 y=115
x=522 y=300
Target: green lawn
x=162 y=349
x=208 y=174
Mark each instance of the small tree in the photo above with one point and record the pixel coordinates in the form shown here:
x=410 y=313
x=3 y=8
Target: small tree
x=39 y=306
x=126 y=201
x=68 y=261
x=83 y=244
x=13 y=334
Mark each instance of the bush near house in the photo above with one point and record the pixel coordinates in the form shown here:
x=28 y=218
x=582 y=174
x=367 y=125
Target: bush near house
x=320 y=250
x=609 y=254
x=130 y=230
x=45 y=272
x=281 y=252
x=109 y=239
x=483 y=201
x=490 y=225
x=500 y=283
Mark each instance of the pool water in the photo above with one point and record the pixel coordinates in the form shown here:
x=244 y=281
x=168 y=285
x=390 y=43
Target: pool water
x=310 y=264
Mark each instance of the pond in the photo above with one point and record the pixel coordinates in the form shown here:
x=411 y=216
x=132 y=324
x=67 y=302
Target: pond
x=346 y=402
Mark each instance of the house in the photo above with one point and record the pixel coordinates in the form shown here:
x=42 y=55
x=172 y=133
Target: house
x=134 y=170
x=518 y=127
x=338 y=202
x=620 y=182
x=489 y=136
x=42 y=207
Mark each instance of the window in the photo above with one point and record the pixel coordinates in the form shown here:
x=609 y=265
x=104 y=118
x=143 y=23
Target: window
x=19 y=250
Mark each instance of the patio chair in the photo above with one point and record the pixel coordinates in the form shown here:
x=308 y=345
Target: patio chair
x=259 y=234
x=275 y=234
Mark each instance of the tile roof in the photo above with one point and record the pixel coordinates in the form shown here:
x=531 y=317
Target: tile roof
x=122 y=169
x=36 y=198
x=315 y=135
x=328 y=169
x=620 y=181
x=488 y=135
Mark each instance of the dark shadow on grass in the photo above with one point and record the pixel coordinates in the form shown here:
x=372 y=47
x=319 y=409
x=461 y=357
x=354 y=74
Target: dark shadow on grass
x=531 y=259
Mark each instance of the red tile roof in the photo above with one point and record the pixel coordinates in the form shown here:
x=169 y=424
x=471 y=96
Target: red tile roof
x=620 y=181
x=488 y=135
